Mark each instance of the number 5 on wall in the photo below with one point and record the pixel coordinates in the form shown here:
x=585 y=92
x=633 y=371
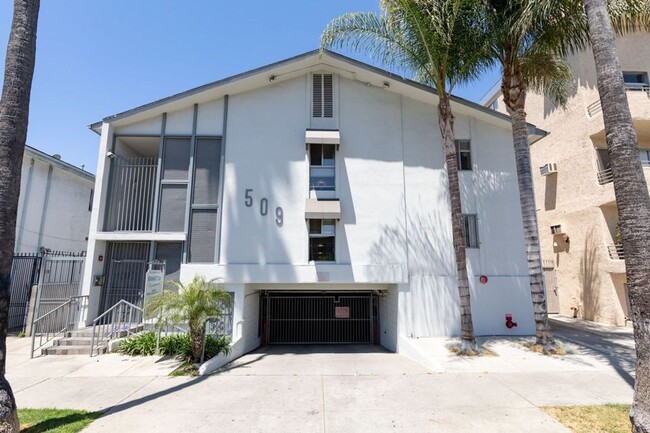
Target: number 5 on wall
x=249 y=198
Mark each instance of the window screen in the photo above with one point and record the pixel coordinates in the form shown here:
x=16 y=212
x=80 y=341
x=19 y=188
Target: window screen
x=176 y=158
x=322 y=240
x=171 y=253
x=471 y=230
x=203 y=236
x=172 y=207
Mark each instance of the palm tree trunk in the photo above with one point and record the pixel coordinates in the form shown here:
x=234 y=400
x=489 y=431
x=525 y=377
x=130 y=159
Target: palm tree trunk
x=196 y=339
x=14 y=114
x=514 y=93
x=632 y=199
x=446 y=123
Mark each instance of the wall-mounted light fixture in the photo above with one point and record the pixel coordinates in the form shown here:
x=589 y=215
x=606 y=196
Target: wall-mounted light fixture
x=386 y=85
x=271 y=78
x=110 y=155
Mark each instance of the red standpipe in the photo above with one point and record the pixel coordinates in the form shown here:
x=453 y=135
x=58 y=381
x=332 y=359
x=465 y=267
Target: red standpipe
x=509 y=323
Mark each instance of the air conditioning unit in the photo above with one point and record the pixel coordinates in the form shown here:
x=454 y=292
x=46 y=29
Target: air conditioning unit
x=547 y=169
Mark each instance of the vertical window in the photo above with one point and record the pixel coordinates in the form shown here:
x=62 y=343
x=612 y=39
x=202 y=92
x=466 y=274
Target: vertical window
x=322 y=167
x=464 y=155
x=322 y=236
x=645 y=157
x=471 y=230
x=322 y=95
x=173 y=184
x=90 y=200
x=495 y=104
x=205 y=206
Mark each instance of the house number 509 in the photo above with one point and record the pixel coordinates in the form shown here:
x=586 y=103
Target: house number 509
x=264 y=207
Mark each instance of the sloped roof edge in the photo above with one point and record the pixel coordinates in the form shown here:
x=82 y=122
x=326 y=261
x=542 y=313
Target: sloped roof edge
x=386 y=74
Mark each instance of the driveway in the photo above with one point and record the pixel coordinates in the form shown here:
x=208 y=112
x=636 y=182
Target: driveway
x=326 y=389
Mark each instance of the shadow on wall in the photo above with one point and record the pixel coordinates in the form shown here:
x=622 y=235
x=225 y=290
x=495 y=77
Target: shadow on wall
x=590 y=278
x=550 y=192
x=433 y=305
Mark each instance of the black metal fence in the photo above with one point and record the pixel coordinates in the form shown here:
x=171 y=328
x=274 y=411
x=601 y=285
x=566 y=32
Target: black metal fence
x=24 y=274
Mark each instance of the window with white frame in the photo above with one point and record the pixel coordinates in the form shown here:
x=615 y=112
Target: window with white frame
x=645 y=157
x=471 y=230
x=323 y=95
x=322 y=167
x=322 y=240
x=463 y=152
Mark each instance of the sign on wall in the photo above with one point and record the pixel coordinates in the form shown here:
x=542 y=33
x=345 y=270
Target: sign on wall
x=342 y=312
x=153 y=283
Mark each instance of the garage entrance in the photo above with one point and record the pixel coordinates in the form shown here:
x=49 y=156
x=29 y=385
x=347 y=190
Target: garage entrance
x=319 y=318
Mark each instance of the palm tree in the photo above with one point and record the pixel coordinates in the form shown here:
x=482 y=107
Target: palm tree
x=441 y=43
x=14 y=114
x=193 y=304
x=632 y=199
x=531 y=39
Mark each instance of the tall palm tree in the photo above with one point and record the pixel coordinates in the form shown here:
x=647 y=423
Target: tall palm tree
x=14 y=114
x=531 y=40
x=441 y=43
x=632 y=199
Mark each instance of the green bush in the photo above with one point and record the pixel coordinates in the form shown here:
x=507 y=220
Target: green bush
x=179 y=345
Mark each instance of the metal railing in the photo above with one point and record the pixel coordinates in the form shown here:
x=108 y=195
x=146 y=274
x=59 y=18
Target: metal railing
x=638 y=87
x=131 y=196
x=64 y=318
x=615 y=252
x=605 y=176
x=121 y=320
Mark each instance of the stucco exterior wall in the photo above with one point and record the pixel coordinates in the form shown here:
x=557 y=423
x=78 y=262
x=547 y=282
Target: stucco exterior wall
x=394 y=232
x=63 y=212
x=587 y=278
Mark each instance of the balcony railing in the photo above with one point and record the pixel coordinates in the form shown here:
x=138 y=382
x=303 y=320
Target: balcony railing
x=595 y=107
x=132 y=194
x=605 y=176
x=615 y=252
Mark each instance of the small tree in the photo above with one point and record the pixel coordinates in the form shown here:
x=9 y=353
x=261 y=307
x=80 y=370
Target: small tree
x=192 y=304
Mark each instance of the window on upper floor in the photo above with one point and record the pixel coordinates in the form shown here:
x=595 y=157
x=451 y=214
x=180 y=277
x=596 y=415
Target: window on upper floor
x=495 y=104
x=635 y=80
x=90 y=200
x=322 y=240
x=463 y=151
x=322 y=167
x=471 y=230
x=323 y=95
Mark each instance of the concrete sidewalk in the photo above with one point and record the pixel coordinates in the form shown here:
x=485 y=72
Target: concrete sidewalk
x=324 y=389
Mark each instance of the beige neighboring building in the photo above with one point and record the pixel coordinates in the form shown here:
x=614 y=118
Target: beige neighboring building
x=573 y=187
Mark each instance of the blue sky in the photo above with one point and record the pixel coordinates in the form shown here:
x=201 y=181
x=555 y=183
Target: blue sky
x=97 y=58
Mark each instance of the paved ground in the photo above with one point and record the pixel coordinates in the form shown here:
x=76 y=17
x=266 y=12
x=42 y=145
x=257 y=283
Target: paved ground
x=327 y=389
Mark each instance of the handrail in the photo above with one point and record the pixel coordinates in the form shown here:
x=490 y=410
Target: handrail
x=118 y=321
x=616 y=252
x=605 y=176
x=57 y=321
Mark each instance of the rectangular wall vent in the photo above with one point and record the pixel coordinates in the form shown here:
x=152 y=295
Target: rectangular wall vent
x=323 y=95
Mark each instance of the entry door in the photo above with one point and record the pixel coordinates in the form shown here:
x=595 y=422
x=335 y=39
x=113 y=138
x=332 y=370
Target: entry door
x=126 y=269
x=319 y=319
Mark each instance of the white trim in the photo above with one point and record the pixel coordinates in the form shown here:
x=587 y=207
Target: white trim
x=141 y=236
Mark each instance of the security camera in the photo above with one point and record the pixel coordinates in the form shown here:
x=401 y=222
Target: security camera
x=110 y=154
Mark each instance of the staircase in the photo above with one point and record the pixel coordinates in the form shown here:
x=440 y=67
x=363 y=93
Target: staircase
x=76 y=342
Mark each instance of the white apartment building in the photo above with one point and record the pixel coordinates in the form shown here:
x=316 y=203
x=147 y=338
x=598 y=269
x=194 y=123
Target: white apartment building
x=315 y=190
x=55 y=204
x=577 y=211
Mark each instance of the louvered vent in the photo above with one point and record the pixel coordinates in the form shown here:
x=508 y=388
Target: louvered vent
x=323 y=95
x=318 y=95
x=328 y=103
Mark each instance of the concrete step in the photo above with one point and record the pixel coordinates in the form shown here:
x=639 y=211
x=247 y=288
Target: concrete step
x=73 y=341
x=71 y=350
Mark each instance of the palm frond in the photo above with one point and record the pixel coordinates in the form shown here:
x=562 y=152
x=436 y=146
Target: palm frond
x=549 y=74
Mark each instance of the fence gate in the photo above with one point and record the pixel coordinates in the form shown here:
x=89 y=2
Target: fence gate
x=126 y=269
x=60 y=279
x=319 y=318
x=24 y=274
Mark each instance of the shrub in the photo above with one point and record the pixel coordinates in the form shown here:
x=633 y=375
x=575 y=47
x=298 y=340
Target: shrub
x=173 y=345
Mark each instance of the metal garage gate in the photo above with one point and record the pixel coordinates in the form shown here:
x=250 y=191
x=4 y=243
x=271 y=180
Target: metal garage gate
x=303 y=318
